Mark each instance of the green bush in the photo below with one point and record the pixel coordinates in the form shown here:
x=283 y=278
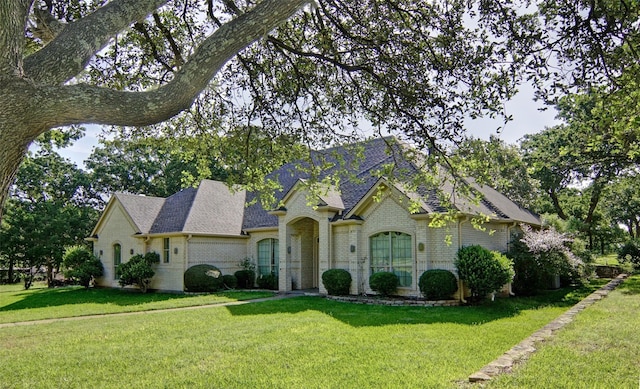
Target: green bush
x=482 y=270
x=438 y=284
x=230 y=281
x=203 y=278
x=630 y=253
x=137 y=271
x=245 y=278
x=268 y=281
x=385 y=283
x=337 y=281
x=81 y=265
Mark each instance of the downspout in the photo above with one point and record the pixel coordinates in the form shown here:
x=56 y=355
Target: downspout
x=186 y=256
x=509 y=228
x=460 y=283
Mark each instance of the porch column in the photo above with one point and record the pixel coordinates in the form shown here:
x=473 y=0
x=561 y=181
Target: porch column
x=356 y=253
x=324 y=249
x=284 y=267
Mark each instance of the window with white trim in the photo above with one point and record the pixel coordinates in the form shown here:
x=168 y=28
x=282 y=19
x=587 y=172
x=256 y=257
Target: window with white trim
x=268 y=257
x=117 y=259
x=391 y=252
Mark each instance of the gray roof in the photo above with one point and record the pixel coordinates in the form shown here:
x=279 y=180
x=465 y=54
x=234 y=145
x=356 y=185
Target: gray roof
x=143 y=210
x=213 y=208
x=376 y=153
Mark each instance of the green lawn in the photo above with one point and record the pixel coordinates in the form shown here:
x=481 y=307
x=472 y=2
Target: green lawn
x=302 y=342
x=17 y=304
x=600 y=349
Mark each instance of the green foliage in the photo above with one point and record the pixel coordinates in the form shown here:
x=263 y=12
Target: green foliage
x=438 y=284
x=230 y=281
x=385 y=283
x=154 y=166
x=630 y=253
x=138 y=271
x=203 y=278
x=483 y=271
x=268 y=281
x=246 y=278
x=80 y=264
x=337 y=281
x=51 y=207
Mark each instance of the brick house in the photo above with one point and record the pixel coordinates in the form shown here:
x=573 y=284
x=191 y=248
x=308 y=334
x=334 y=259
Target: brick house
x=367 y=224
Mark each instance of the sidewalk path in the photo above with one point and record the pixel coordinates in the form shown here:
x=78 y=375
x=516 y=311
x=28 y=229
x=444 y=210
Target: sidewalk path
x=75 y=318
x=523 y=350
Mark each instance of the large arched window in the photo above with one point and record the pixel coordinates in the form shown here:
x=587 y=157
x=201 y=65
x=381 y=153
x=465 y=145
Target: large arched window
x=391 y=251
x=268 y=257
x=117 y=258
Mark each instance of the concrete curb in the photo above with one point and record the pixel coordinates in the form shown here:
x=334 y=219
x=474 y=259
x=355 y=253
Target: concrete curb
x=523 y=350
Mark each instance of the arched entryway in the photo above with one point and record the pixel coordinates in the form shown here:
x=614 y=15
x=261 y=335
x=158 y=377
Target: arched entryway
x=303 y=246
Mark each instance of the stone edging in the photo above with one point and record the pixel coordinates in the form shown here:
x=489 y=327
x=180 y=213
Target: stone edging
x=395 y=302
x=523 y=350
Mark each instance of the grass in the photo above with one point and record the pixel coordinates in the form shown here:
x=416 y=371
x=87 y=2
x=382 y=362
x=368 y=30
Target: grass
x=17 y=304
x=600 y=349
x=299 y=342
x=608 y=260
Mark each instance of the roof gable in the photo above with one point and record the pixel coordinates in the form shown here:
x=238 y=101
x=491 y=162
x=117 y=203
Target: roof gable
x=142 y=210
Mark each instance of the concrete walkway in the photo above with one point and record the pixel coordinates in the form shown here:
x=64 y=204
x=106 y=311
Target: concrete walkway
x=76 y=318
x=523 y=350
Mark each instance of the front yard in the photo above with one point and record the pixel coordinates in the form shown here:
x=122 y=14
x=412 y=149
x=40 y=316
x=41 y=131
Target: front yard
x=305 y=342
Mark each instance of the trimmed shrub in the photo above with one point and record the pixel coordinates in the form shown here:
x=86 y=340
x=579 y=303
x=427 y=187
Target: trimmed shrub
x=81 y=265
x=438 y=284
x=268 y=281
x=482 y=270
x=384 y=283
x=137 y=271
x=337 y=281
x=245 y=278
x=203 y=278
x=230 y=281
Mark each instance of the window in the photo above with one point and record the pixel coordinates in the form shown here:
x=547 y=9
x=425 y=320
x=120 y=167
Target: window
x=165 y=250
x=268 y=256
x=391 y=251
x=117 y=258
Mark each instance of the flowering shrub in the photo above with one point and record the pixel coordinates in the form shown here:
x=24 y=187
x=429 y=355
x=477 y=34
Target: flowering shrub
x=540 y=255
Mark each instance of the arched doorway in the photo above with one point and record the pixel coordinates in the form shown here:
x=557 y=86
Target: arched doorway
x=303 y=235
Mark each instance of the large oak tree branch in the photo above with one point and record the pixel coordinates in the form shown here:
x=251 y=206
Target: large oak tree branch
x=68 y=54
x=13 y=18
x=81 y=103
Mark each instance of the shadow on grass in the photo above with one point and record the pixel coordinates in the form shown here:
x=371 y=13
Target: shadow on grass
x=631 y=285
x=359 y=315
x=77 y=295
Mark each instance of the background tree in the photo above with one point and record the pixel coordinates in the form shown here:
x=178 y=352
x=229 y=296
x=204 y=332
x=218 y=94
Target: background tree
x=416 y=69
x=498 y=165
x=52 y=206
x=152 y=166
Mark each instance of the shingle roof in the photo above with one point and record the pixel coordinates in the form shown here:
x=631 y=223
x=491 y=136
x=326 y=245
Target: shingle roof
x=209 y=209
x=375 y=154
x=143 y=210
x=213 y=208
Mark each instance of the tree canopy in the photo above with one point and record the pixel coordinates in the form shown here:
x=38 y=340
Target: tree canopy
x=416 y=69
